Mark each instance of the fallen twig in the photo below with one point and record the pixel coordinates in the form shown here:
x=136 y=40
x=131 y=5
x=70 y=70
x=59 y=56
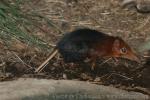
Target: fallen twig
x=139 y=89
x=105 y=61
x=42 y=66
x=117 y=74
x=22 y=60
x=144 y=23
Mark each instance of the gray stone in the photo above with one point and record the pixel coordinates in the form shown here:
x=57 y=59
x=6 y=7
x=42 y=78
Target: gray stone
x=42 y=89
x=142 y=6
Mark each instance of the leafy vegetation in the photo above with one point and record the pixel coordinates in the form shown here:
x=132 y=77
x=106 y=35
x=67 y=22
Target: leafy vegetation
x=14 y=23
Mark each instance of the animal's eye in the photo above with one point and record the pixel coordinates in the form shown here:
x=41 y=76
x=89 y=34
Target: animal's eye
x=123 y=50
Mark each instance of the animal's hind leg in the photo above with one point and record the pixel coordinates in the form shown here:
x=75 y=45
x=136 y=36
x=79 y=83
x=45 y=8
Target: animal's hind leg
x=71 y=65
x=93 y=63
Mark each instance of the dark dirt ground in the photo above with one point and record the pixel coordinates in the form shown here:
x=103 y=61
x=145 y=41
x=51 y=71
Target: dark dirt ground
x=18 y=59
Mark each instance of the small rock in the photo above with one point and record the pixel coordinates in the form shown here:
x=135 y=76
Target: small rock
x=97 y=79
x=84 y=76
x=142 y=6
x=64 y=76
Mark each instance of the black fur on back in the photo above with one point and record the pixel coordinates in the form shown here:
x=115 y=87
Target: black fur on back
x=74 y=46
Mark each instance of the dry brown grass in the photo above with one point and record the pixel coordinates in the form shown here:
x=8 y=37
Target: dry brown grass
x=103 y=15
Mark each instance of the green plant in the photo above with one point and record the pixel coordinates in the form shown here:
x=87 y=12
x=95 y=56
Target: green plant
x=14 y=23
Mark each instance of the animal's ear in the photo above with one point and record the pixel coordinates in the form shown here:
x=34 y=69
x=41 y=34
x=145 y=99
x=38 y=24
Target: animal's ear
x=116 y=44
